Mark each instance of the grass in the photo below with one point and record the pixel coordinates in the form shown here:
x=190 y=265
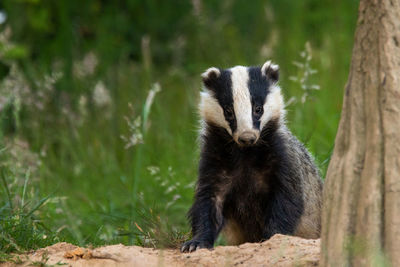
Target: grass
x=97 y=164
x=22 y=224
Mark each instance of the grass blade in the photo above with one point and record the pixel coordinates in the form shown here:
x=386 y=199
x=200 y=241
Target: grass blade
x=37 y=206
x=27 y=175
x=3 y=178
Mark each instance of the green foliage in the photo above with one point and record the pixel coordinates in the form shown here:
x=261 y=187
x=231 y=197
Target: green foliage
x=75 y=78
x=21 y=211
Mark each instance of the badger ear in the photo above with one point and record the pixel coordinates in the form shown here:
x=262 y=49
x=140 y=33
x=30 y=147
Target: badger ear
x=271 y=71
x=210 y=76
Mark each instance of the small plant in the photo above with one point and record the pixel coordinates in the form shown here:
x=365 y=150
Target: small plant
x=139 y=125
x=305 y=71
x=155 y=229
x=156 y=232
x=170 y=187
x=21 y=208
x=136 y=136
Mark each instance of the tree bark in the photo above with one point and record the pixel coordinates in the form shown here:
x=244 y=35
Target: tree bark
x=361 y=214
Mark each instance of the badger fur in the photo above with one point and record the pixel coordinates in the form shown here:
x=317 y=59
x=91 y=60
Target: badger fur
x=255 y=178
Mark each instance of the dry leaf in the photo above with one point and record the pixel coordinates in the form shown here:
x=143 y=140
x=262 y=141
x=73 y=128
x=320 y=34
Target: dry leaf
x=78 y=253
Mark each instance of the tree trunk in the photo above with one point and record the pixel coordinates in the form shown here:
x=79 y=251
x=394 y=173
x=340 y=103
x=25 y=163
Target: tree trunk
x=361 y=214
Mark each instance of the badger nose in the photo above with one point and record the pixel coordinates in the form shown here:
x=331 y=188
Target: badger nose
x=247 y=138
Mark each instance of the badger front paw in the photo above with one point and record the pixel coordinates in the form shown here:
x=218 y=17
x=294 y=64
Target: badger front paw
x=193 y=244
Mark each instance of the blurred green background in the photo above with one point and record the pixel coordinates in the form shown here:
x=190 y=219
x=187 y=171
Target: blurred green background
x=98 y=99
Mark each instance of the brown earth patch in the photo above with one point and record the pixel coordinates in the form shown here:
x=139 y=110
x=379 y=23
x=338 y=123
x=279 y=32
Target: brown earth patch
x=280 y=250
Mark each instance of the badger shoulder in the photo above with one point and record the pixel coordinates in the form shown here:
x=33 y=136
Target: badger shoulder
x=311 y=185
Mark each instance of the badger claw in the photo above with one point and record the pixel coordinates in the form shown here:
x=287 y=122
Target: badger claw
x=193 y=245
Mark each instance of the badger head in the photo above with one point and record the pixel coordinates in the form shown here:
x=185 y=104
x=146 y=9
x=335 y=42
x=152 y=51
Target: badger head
x=242 y=100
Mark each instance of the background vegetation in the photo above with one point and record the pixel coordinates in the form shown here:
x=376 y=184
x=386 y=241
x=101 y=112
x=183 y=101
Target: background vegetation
x=98 y=106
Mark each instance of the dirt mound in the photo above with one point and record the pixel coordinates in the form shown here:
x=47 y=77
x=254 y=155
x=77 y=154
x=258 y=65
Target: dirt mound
x=280 y=250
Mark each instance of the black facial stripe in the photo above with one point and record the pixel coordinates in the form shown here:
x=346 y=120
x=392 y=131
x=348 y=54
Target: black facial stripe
x=222 y=88
x=258 y=85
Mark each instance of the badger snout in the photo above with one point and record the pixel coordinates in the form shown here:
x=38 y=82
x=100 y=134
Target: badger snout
x=247 y=138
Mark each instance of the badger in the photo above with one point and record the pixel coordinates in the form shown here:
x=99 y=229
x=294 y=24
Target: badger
x=255 y=178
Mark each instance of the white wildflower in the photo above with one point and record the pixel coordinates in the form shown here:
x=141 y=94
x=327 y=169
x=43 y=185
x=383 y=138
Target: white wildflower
x=190 y=185
x=153 y=170
x=101 y=95
x=136 y=136
x=174 y=199
x=138 y=127
x=170 y=189
x=86 y=66
x=304 y=75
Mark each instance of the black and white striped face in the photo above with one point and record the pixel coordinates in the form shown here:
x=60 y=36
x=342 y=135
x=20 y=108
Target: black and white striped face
x=242 y=100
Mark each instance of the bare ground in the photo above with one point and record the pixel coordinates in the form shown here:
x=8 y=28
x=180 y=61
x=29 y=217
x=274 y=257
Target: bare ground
x=280 y=250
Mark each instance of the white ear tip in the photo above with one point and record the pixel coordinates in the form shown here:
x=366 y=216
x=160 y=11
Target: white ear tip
x=207 y=73
x=269 y=65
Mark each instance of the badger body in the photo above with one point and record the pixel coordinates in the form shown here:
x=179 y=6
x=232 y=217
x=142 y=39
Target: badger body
x=255 y=178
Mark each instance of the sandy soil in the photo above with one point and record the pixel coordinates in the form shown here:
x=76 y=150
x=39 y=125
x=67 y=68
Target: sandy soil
x=280 y=250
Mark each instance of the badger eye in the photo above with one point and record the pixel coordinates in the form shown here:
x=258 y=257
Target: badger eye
x=258 y=110
x=229 y=113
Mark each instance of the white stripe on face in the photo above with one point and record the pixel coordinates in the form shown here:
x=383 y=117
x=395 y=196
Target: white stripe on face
x=273 y=106
x=241 y=100
x=211 y=111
